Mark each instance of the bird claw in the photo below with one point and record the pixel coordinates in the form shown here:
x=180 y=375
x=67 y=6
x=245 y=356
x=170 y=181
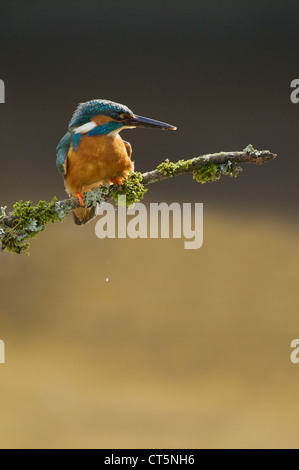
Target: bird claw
x=81 y=200
x=119 y=180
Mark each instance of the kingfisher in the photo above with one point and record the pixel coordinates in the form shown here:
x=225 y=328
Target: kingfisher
x=92 y=151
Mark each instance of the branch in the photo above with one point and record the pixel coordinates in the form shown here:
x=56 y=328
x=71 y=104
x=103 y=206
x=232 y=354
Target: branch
x=248 y=155
x=27 y=220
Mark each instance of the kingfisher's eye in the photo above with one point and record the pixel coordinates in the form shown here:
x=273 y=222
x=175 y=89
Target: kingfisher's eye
x=121 y=116
x=115 y=115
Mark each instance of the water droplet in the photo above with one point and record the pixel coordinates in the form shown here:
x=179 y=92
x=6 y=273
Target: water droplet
x=107 y=279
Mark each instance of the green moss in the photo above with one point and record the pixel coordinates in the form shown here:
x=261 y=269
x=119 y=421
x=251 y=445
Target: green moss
x=30 y=220
x=96 y=195
x=209 y=173
x=43 y=213
x=168 y=168
x=27 y=220
x=229 y=169
x=206 y=174
x=252 y=151
x=132 y=188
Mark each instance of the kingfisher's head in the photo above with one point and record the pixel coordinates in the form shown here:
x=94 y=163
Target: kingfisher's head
x=103 y=117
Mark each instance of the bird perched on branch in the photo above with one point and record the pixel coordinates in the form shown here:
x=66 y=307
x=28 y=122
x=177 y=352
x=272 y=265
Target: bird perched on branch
x=92 y=151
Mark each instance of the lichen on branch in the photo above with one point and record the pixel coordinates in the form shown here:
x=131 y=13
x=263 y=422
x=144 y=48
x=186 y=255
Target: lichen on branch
x=26 y=220
x=132 y=188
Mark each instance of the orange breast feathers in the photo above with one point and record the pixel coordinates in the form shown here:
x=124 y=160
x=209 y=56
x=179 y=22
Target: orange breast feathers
x=97 y=159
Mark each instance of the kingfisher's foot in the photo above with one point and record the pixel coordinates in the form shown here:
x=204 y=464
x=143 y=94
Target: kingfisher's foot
x=117 y=180
x=81 y=200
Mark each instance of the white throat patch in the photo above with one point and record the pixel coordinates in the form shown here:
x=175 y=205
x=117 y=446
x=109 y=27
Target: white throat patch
x=116 y=131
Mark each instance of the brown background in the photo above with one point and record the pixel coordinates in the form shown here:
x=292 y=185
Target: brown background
x=180 y=348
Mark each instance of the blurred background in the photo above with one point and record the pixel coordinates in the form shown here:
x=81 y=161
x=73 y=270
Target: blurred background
x=140 y=343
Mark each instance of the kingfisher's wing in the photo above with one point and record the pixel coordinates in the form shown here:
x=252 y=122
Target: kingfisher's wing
x=129 y=148
x=61 y=153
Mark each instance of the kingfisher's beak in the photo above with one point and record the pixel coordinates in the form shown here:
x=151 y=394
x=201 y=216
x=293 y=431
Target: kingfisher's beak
x=140 y=121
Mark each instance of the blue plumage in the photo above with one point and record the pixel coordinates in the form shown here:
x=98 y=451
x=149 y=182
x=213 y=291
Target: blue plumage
x=121 y=117
x=105 y=129
x=86 y=111
x=62 y=151
x=75 y=141
x=83 y=114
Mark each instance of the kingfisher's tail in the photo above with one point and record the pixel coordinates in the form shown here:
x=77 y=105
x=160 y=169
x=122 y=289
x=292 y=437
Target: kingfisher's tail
x=82 y=215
